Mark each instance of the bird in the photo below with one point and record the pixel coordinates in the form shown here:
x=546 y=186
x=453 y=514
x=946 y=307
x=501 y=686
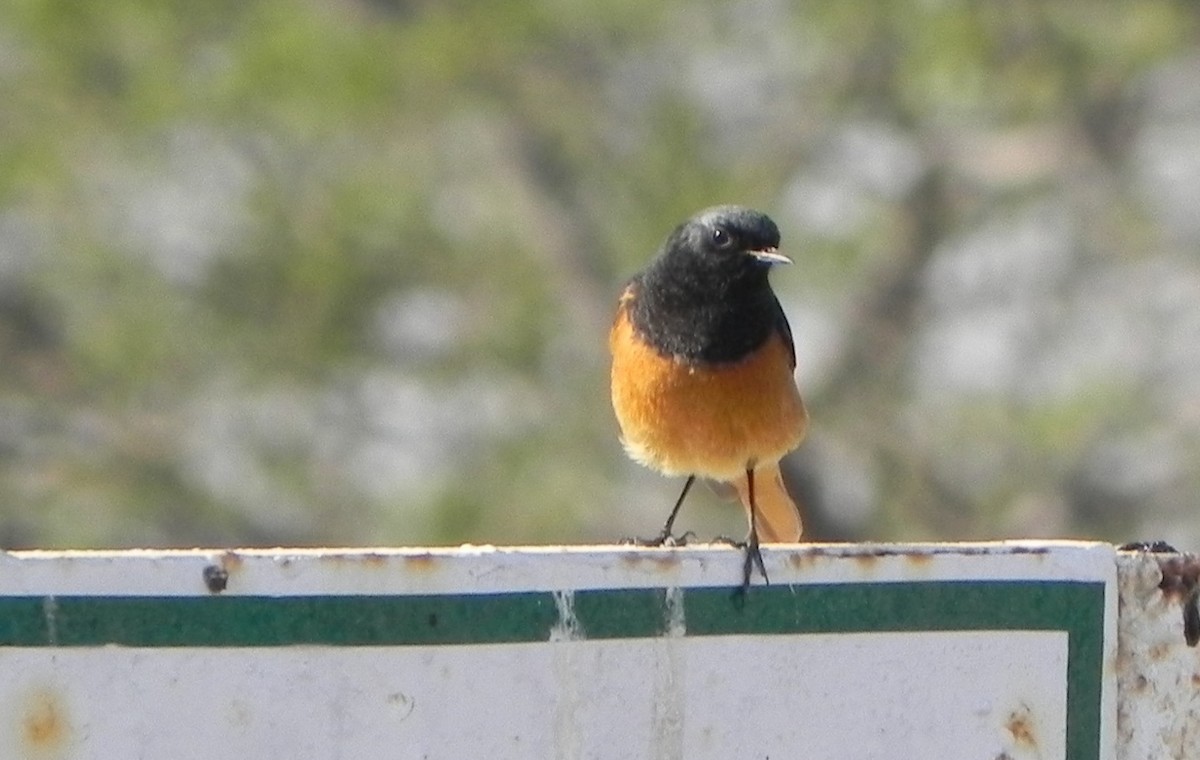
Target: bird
x=702 y=370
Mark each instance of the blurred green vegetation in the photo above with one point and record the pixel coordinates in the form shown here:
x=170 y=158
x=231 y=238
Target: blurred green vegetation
x=341 y=271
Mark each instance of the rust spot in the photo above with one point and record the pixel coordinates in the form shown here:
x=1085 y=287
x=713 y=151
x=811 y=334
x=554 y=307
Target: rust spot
x=1181 y=583
x=216 y=575
x=1159 y=651
x=420 y=562
x=806 y=558
x=1154 y=547
x=44 y=722
x=1191 y=621
x=356 y=559
x=799 y=560
x=1035 y=551
x=919 y=558
x=1020 y=726
x=216 y=578
x=1196 y=679
x=866 y=561
x=658 y=561
x=1180 y=575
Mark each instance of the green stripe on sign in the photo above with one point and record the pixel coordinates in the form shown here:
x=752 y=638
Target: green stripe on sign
x=265 y=621
x=457 y=619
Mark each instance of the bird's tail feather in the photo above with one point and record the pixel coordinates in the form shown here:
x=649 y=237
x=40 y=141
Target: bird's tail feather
x=778 y=518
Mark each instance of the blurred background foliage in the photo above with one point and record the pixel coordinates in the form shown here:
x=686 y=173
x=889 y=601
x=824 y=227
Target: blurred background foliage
x=341 y=271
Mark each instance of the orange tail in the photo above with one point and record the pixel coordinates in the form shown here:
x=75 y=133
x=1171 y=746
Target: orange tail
x=778 y=519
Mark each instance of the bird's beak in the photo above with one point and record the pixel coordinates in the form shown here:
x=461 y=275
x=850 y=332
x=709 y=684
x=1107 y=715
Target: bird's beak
x=770 y=256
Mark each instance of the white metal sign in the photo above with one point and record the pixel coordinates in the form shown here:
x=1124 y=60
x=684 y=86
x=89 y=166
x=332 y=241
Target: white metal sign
x=965 y=651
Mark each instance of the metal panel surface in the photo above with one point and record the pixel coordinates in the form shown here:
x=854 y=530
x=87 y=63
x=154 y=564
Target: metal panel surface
x=982 y=651
x=1158 y=662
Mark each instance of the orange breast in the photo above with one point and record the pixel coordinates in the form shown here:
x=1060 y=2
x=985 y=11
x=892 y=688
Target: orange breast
x=711 y=421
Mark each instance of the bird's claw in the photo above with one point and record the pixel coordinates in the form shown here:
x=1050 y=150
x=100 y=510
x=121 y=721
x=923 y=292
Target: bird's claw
x=664 y=539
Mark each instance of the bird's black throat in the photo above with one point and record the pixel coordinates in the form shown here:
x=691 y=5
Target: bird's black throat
x=703 y=314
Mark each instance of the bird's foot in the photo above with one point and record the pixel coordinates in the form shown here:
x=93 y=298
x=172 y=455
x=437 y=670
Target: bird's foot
x=752 y=558
x=662 y=539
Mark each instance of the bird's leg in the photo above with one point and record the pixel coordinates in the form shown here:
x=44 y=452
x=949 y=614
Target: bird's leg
x=753 y=556
x=665 y=537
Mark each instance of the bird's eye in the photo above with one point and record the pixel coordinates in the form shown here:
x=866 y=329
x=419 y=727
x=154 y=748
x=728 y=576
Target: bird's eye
x=721 y=237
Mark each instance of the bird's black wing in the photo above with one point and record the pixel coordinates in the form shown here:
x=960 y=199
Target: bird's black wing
x=785 y=330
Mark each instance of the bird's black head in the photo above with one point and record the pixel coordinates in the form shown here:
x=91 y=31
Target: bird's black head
x=729 y=238
x=706 y=296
